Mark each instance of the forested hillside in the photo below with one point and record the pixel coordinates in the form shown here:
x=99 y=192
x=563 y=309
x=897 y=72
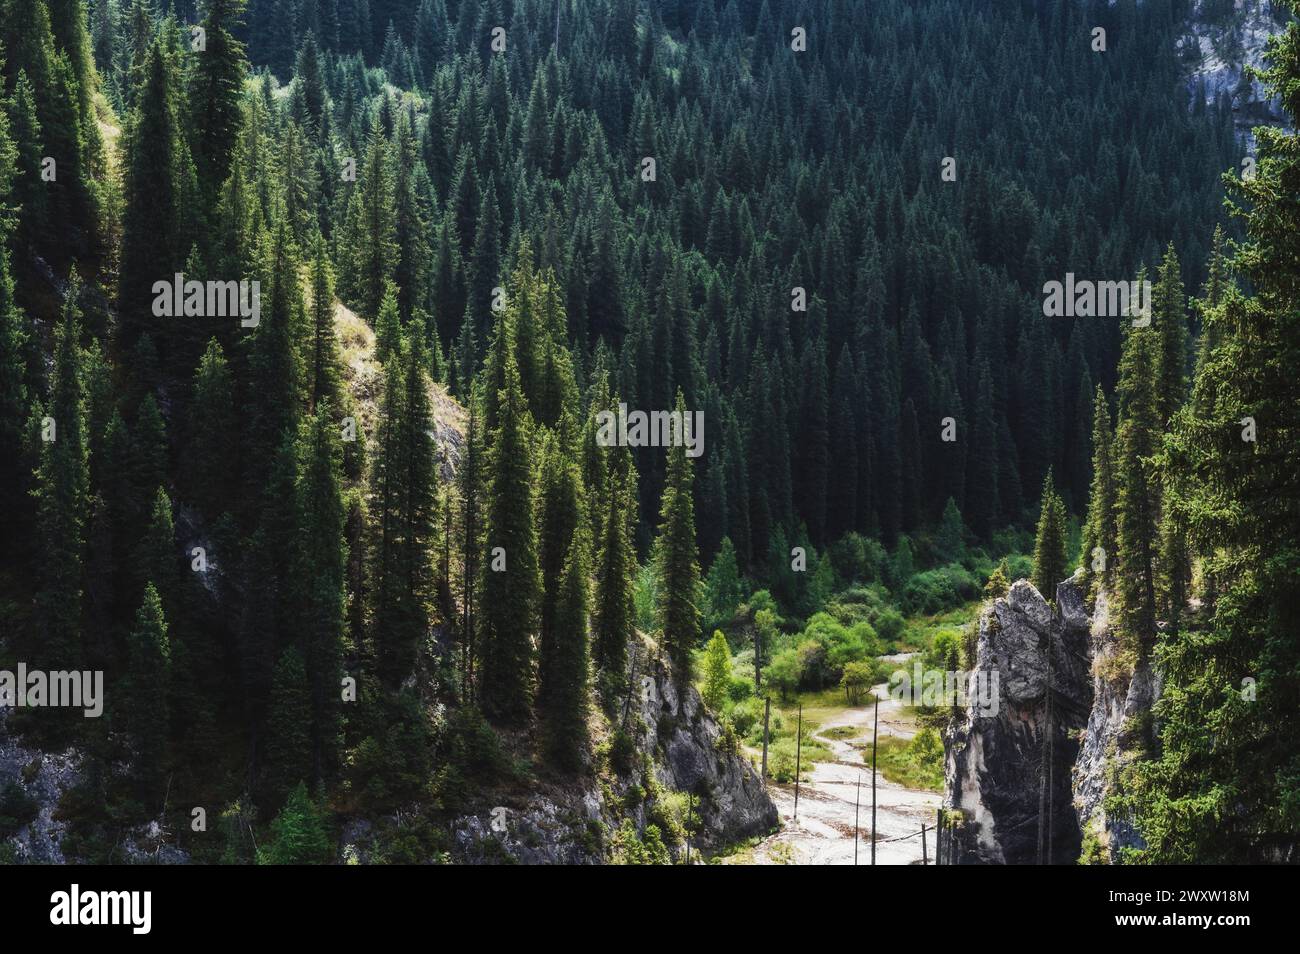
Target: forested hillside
x=329 y=573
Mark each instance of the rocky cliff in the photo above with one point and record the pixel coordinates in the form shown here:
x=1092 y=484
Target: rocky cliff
x=680 y=756
x=1004 y=769
x=1000 y=767
x=1120 y=718
x=1223 y=38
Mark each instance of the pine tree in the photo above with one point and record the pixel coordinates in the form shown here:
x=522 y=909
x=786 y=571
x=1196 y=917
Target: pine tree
x=13 y=371
x=288 y=748
x=405 y=485
x=510 y=578
x=1099 y=535
x=562 y=691
x=1223 y=787
x=614 y=616
x=1136 y=501
x=982 y=496
x=723 y=588
x=950 y=541
x=323 y=379
x=388 y=325
x=675 y=559
x=212 y=443
x=215 y=97
x=370 y=231
x=147 y=693
x=469 y=482
x=559 y=519
x=158 y=181
x=1050 y=559
x=275 y=365
x=1169 y=319
x=157 y=560
x=62 y=492
x=318 y=592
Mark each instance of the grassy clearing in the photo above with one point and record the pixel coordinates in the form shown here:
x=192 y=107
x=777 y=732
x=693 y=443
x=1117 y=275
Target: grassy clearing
x=915 y=764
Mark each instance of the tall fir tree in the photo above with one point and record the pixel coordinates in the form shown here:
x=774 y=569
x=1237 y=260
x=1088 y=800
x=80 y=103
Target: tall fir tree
x=563 y=689
x=1050 y=559
x=676 y=560
x=510 y=582
x=62 y=492
x=1223 y=785
x=1099 y=533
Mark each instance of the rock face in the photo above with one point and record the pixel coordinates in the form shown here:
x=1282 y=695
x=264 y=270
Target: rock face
x=1000 y=767
x=43 y=777
x=682 y=745
x=1221 y=40
x=1100 y=713
x=1120 y=716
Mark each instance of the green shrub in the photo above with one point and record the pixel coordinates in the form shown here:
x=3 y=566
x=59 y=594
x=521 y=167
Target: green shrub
x=299 y=833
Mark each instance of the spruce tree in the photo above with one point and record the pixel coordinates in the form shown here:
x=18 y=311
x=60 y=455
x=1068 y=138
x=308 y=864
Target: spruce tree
x=212 y=443
x=563 y=684
x=369 y=236
x=147 y=695
x=318 y=593
x=1099 y=535
x=1136 y=498
x=322 y=364
x=1050 y=560
x=510 y=577
x=288 y=747
x=1169 y=319
x=559 y=519
x=405 y=485
x=469 y=482
x=1223 y=787
x=614 y=615
x=676 y=561
x=157 y=182
x=216 y=89
x=62 y=493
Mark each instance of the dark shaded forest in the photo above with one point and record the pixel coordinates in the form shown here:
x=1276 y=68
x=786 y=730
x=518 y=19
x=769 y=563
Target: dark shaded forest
x=824 y=225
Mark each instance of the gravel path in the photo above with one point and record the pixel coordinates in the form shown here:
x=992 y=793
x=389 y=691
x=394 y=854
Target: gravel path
x=823 y=833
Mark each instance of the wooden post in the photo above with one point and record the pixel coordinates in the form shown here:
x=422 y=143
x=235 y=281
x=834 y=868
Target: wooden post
x=924 y=862
x=758 y=658
x=857 y=797
x=875 y=728
x=798 y=760
x=938 y=836
x=767 y=712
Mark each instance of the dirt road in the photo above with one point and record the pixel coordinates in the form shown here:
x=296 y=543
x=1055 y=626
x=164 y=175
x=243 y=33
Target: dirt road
x=823 y=832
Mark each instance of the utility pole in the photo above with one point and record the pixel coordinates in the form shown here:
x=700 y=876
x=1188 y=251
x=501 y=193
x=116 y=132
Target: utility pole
x=874 y=730
x=798 y=760
x=857 y=797
x=767 y=712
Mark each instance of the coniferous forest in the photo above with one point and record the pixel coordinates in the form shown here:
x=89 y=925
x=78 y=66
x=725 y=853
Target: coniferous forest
x=433 y=418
